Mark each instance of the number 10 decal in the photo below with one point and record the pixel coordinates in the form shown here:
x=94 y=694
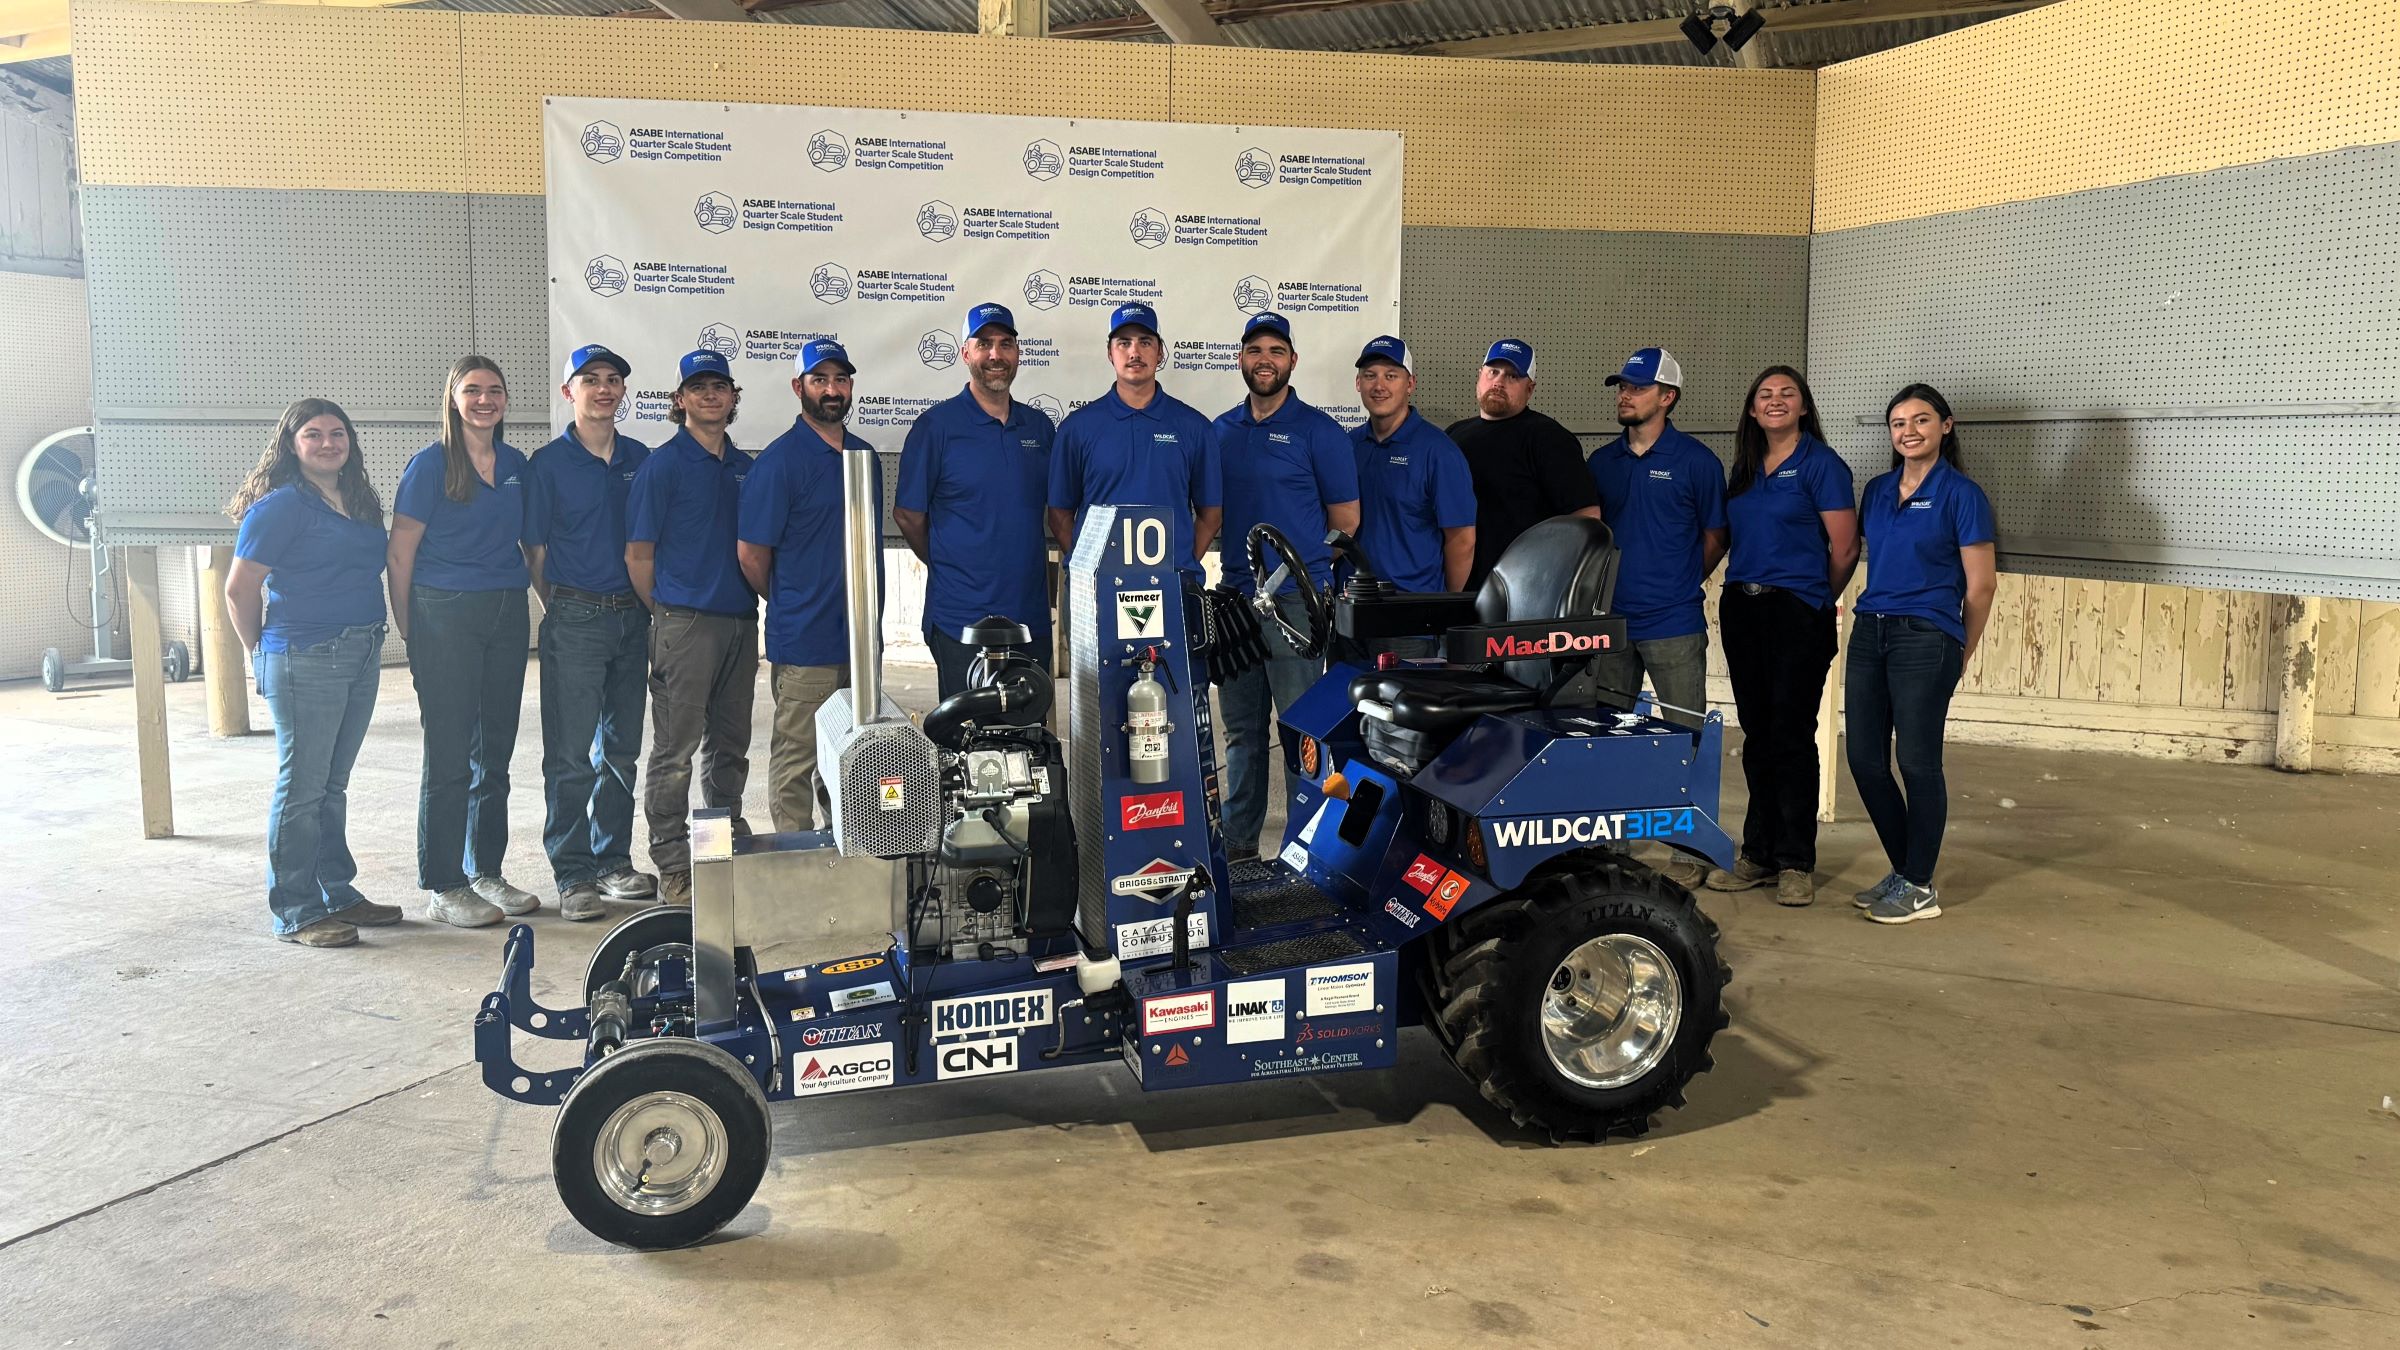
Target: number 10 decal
x=1145 y=542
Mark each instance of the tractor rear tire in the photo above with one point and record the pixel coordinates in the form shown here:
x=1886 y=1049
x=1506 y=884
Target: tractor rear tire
x=660 y=1144
x=1582 y=1003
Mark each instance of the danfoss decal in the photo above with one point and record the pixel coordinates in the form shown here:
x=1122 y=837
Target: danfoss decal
x=1558 y=642
x=1153 y=811
x=1537 y=831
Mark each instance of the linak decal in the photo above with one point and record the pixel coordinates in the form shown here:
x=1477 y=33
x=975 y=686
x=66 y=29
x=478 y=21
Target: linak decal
x=1151 y=811
x=1544 y=831
x=1557 y=642
x=1155 y=880
x=1254 y=1011
x=1018 y=1011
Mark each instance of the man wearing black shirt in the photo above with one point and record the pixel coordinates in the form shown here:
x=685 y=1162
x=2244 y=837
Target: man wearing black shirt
x=1527 y=468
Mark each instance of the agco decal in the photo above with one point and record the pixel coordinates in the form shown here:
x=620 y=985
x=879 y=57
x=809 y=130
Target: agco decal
x=1543 y=830
x=851 y=967
x=1557 y=642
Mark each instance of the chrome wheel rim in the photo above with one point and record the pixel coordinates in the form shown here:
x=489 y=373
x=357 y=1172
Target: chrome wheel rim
x=1611 y=1011
x=660 y=1153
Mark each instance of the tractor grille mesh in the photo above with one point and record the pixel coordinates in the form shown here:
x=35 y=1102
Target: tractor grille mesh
x=1286 y=901
x=878 y=753
x=1299 y=951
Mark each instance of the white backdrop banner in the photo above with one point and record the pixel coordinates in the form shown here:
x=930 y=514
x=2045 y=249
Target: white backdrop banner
x=753 y=228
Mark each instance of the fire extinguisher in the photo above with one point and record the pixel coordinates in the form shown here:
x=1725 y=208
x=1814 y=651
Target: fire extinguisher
x=1146 y=724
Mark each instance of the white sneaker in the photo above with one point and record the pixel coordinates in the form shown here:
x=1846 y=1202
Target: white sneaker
x=508 y=899
x=461 y=907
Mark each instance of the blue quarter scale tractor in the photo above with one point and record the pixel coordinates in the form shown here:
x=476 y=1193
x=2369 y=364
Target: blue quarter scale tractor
x=1456 y=856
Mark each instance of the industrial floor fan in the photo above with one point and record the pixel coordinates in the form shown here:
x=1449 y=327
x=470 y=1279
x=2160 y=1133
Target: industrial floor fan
x=57 y=491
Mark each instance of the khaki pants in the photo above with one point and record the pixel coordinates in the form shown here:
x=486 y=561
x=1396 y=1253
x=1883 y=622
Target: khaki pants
x=703 y=671
x=794 y=786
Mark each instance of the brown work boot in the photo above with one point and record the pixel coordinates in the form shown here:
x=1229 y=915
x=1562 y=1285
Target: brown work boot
x=323 y=933
x=1795 y=888
x=368 y=914
x=1745 y=875
x=675 y=888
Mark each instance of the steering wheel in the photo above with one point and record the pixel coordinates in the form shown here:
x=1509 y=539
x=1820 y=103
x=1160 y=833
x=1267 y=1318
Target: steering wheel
x=1311 y=641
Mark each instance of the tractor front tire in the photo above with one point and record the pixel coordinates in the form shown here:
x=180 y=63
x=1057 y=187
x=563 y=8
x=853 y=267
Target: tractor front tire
x=660 y=1144
x=1582 y=1003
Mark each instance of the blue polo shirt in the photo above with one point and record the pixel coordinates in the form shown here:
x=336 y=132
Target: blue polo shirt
x=324 y=570
x=1913 y=563
x=1411 y=487
x=792 y=504
x=1656 y=505
x=469 y=545
x=1283 y=472
x=1163 y=455
x=1778 y=527
x=575 y=508
x=684 y=502
x=980 y=483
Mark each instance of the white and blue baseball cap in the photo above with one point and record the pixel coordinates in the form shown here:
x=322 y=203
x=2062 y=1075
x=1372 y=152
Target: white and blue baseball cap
x=986 y=316
x=817 y=353
x=1387 y=348
x=1267 y=321
x=589 y=354
x=1133 y=315
x=1650 y=365
x=1514 y=352
x=703 y=362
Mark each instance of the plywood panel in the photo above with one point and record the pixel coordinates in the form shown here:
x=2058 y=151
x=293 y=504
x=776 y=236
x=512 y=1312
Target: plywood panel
x=2337 y=659
x=2003 y=650
x=2204 y=650
x=2162 y=644
x=2044 y=650
x=2094 y=93
x=2378 y=660
x=2121 y=658
x=2245 y=682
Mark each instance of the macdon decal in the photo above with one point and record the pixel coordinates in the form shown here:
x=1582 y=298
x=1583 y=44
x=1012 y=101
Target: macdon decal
x=1558 y=642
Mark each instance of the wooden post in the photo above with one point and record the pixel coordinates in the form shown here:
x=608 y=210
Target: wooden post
x=221 y=651
x=149 y=693
x=1829 y=707
x=2296 y=717
x=1013 y=18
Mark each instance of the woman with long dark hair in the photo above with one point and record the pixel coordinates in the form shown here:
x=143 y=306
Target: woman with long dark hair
x=306 y=596
x=458 y=580
x=1931 y=541
x=1794 y=524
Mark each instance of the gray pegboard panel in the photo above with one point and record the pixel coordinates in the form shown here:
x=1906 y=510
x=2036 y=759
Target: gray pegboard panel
x=2275 y=283
x=214 y=298
x=168 y=481
x=1727 y=305
x=512 y=301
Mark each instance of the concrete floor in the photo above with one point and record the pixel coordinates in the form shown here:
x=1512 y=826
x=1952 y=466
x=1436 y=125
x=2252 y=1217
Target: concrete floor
x=2126 y=1093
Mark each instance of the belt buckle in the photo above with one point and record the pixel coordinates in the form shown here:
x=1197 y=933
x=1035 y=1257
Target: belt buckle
x=1753 y=588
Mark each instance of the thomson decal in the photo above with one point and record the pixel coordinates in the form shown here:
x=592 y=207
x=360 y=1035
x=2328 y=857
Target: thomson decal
x=1544 y=831
x=1558 y=642
x=1334 y=990
x=990 y=1012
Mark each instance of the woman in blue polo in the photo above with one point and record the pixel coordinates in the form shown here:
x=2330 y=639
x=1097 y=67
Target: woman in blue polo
x=306 y=595
x=1794 y=525
x=458 y=581
x=1930 y=579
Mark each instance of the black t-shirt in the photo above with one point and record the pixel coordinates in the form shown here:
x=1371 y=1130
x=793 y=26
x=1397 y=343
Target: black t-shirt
x=1527 y=468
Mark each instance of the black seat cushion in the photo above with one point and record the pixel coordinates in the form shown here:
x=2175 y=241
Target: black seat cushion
x=1439 y=702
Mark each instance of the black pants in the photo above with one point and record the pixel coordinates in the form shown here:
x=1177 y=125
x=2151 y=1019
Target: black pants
x=1778 y=648
x=1902 y=672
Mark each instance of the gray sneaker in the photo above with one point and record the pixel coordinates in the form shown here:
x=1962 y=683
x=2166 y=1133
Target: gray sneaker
x=504 y=897
x=1908 y=904
x=627 y=884
x=581 y=902
x=1866 y=898
x=1745 y=874
x=461 y=907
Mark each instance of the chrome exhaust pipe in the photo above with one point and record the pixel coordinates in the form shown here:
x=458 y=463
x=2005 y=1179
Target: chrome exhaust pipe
x=862 y=564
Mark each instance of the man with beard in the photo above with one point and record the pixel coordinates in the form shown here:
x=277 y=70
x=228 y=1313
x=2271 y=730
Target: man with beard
x=679 y=555
x=1416 y=499
x=1527 y=467
x=791 y=551
x=972 y=477
x=1138 y=444
x=1288 y=465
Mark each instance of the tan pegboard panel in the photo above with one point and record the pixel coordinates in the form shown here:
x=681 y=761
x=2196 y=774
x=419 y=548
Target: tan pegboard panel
x=2099 y=93
x=47 y=344
x=1540 y=144
x=514 y=60
x=268 y=96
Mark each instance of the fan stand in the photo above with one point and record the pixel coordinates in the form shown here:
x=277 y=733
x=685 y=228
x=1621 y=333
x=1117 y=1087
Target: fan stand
x=104 y=660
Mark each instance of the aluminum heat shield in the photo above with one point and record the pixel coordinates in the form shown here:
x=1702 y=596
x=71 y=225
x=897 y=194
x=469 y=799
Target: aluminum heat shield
x=884 y=779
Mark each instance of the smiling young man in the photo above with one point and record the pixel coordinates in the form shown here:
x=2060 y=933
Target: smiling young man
x=1138 y=444
x=1416 y=499
x=1526 y=467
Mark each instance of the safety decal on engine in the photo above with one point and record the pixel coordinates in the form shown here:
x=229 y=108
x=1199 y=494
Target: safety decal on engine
x=892 y=794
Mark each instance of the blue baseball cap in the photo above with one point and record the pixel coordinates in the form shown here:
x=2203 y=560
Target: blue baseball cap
x=1386 y=348
x=1267 y=321
x=586 y=355
x=817 y=353
x=703 y=362
x=1511 y=352
x=985 y=316
x=1650 y=365
x=1133 y=315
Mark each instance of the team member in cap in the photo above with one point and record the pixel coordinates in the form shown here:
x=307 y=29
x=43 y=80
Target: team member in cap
x=1138 y=445
x=680 y=554
x=1795 y=541
x=1663 y=496
x=458 y=577
x=595 y=639
x=974 y=472
x=1930 y=580
x=1416 y=497
x=1527 y=468
x=1288 y=465
x=791 y=551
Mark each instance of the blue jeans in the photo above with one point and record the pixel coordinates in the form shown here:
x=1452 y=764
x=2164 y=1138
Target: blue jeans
x=322 y=698
x=1249 y=728
x=595 y=666
x=466 y=652
x=1901 y=674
